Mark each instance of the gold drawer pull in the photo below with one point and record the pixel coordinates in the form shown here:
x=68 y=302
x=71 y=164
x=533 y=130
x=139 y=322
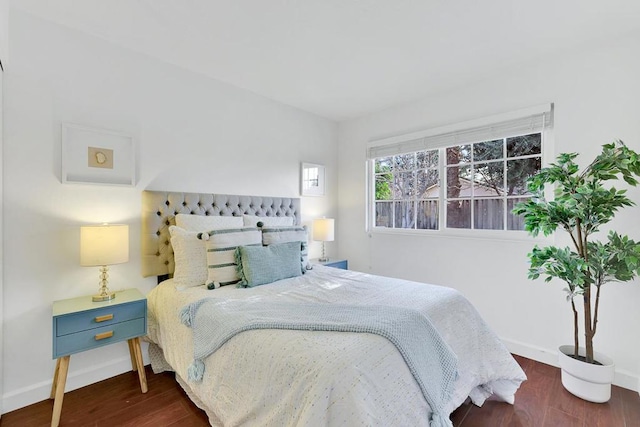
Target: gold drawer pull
x=104 y=318
x=104 y=335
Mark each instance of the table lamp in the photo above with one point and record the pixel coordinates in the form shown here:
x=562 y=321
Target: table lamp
x=104 y=245
x=323 y=232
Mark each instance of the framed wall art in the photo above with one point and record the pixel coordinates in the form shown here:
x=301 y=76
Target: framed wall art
x=312 y=180
x=97 y=156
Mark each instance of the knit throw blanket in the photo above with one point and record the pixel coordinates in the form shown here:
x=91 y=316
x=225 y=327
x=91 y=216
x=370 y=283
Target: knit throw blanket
x=430 y=360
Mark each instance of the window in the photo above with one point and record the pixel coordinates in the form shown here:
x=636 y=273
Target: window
x=406 y=190
x=486 y=179
x=465 y=179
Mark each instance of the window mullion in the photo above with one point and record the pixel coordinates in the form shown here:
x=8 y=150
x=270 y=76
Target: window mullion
x=393 y=196
x=472 y=205
x=504 y=185
x=415 y=192
x=442 y=171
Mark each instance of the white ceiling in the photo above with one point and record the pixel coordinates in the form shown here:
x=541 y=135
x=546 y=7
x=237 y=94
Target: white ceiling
x=344 y=58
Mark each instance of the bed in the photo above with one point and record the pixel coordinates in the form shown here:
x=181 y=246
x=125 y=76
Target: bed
x=281 y=376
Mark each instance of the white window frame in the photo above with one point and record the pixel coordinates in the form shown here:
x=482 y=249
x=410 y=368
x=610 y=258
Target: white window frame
x=493 y=127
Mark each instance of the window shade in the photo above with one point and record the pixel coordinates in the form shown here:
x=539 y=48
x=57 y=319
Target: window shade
x=529 y=123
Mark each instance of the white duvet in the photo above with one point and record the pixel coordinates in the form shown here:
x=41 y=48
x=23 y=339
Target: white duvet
x=313 y=378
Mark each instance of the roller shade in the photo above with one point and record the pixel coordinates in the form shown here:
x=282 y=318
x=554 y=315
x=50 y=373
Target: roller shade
x=532 y=122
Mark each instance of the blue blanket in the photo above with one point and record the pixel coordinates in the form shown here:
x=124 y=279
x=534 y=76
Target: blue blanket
x=430 y=360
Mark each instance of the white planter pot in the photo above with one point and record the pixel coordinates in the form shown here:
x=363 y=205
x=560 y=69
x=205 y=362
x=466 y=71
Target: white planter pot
x=587 y=381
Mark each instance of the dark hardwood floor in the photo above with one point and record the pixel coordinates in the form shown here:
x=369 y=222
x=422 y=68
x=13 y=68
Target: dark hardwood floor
x=540 y=402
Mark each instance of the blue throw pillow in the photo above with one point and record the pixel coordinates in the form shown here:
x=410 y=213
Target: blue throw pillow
x=259 y=265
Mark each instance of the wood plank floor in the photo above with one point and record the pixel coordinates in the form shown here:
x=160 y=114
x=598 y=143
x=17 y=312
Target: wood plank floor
x=540 y=402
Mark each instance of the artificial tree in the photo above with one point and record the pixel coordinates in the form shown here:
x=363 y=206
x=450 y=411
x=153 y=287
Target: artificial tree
x=581 y=205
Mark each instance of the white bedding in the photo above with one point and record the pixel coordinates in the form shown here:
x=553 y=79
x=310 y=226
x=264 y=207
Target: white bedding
x=292 y=378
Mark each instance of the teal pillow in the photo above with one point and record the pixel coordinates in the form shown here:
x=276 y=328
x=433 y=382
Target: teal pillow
x=259 y=265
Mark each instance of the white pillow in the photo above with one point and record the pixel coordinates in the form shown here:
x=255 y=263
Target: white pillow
x=220 y=256
x=273 y=221
x=298 y=233
x=190 y=257
x=207 y=222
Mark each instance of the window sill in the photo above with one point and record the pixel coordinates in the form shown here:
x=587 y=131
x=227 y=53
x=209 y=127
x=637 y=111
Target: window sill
x=449 y=233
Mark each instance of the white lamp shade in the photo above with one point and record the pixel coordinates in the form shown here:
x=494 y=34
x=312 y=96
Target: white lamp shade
x=323 y=229
x=104 y=244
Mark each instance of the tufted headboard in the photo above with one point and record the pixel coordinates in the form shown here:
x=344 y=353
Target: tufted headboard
x=159 y=209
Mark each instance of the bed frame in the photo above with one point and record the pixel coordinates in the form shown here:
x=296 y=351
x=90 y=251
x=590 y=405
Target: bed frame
x=159 y=209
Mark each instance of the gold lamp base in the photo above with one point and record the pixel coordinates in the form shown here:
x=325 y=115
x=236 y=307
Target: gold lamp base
x=108 y=297
x=104 y=294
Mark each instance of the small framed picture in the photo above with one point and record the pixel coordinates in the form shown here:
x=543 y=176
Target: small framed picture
x=97 y=156
x=312 y=180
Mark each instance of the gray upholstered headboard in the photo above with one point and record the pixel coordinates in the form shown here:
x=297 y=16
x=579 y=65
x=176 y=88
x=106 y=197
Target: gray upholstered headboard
x=159 y=209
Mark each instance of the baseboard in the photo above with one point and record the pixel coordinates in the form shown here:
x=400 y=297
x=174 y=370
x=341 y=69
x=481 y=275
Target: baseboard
x=38 y=392
x=623 y=378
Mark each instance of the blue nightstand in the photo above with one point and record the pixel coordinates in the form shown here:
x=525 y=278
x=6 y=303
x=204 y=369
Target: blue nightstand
x=335 y=263
x=79 y=324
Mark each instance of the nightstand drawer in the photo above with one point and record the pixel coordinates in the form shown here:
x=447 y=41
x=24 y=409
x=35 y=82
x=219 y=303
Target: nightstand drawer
x=342 y=264
x=86 y=320
x=97 y=337
x=335 y=263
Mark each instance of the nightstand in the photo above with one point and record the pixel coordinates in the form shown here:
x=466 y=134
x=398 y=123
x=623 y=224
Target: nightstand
x=335 y=263
x=79 y=324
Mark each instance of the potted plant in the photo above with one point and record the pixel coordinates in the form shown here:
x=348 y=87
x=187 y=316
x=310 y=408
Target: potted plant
x=581 y=206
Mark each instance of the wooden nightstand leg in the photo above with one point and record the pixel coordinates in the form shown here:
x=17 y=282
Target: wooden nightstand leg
x=60 y=377
x=135 y=342
x=55 y=380
x=132 y=353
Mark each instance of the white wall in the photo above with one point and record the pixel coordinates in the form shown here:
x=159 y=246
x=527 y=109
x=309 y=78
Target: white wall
x=194 y=134
x=1 y=241
x=596 y=94
x=4 y=42
x=4 y=30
